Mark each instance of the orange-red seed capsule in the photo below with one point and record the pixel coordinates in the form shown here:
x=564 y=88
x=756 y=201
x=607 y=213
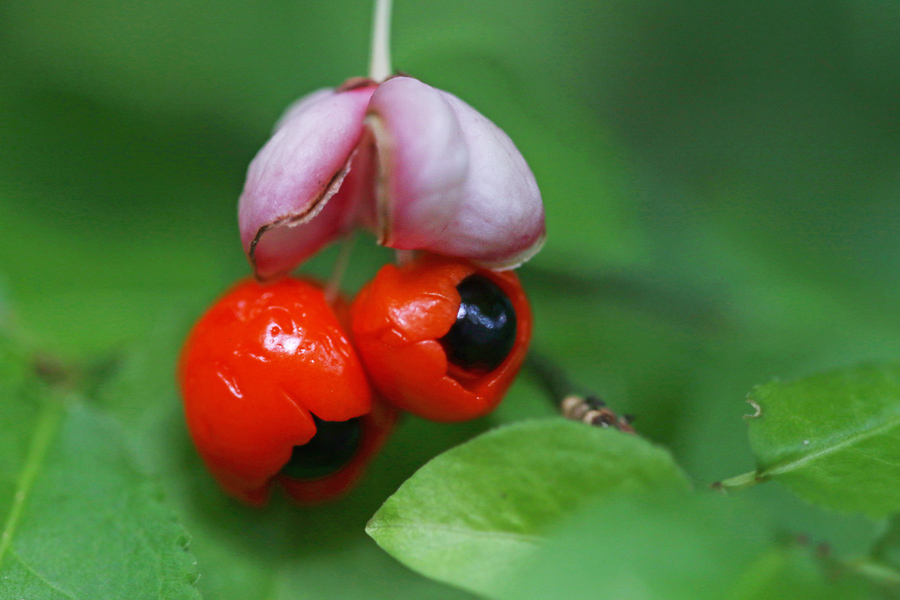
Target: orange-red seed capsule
x=398 y=323
x=255 y=369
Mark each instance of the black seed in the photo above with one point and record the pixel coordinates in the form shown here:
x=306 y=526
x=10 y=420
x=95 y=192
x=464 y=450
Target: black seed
x=485 y=329
x=333 y=446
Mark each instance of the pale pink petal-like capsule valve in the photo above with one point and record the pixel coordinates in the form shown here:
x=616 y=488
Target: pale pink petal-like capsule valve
x=294 y=201
x=417 y=165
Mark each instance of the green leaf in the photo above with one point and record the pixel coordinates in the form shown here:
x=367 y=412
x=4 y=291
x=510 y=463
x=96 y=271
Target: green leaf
x=671 y=547
x=471 y=515
x=79 y=520
x=832 y=437
x=887 y=548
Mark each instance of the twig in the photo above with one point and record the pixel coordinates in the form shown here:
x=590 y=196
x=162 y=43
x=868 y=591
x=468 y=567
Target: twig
x=574 y=402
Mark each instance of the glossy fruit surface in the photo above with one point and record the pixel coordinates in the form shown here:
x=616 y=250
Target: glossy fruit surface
x=257 y=371
x=485 y=329
x=401 y=324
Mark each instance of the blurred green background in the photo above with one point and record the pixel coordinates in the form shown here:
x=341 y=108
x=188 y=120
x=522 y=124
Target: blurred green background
x=722 y=185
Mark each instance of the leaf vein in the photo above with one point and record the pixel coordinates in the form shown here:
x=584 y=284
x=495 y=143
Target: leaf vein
x=824 y=452
x=871 y=456
x=41 y=577
x=43 y=434
x=142 y=537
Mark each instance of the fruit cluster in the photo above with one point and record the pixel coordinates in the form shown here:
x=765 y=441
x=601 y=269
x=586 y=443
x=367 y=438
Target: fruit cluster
x=281 y=385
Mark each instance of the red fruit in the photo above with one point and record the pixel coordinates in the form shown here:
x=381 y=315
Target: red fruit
x=410 y=327
x=263 y=371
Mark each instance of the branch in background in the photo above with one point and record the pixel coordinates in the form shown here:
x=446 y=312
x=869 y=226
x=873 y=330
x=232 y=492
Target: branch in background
x=574 y=402
x=646 y=292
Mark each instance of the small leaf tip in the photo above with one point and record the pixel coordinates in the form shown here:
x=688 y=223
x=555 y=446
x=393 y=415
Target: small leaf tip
x=756 y=407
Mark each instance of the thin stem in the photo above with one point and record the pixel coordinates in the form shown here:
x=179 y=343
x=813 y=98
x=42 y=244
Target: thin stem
x=553 y=379
x=333 y=287
x=380 y=55
x=739 y=482
x=572 y=401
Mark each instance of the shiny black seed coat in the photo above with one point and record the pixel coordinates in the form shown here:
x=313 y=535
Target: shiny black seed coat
x=485 y=329
x=333 y=446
